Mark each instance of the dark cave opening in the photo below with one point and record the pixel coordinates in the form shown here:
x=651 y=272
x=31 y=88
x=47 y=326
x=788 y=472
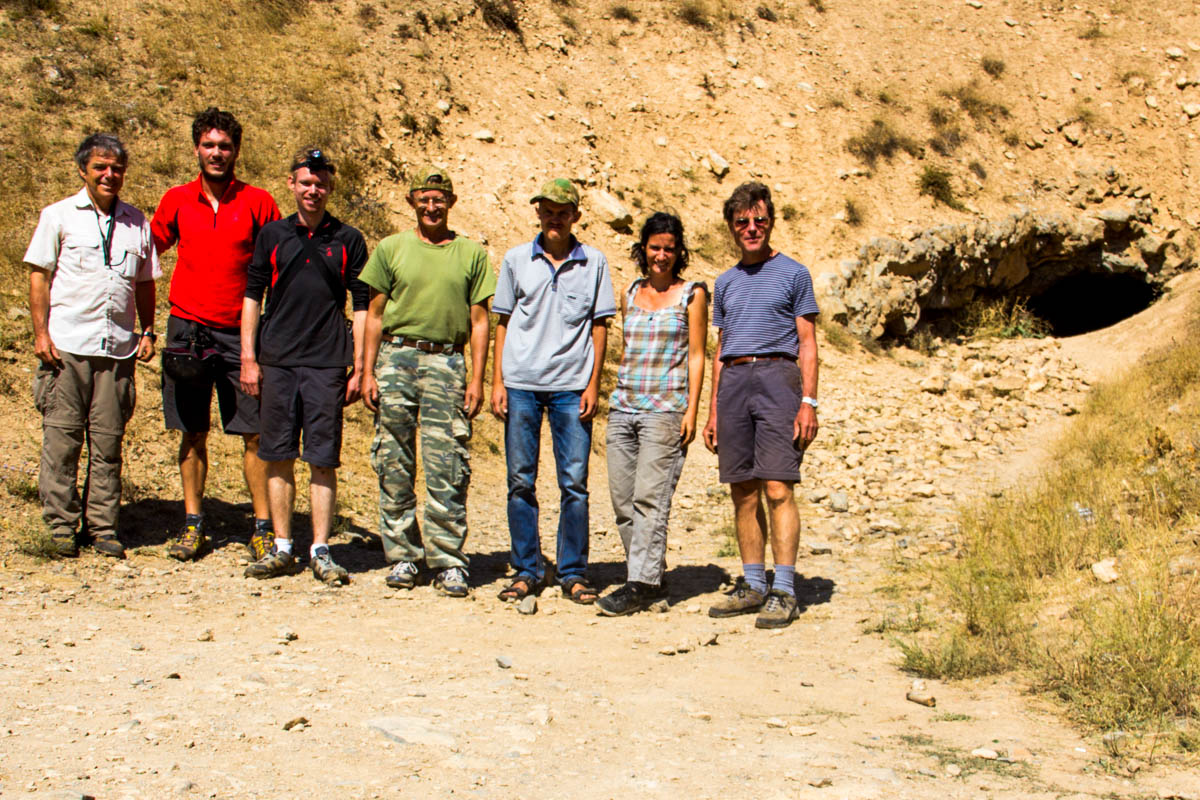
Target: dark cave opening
x=1088 y=301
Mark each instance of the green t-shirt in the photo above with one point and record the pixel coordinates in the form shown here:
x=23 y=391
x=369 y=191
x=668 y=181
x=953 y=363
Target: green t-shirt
x=430 y=287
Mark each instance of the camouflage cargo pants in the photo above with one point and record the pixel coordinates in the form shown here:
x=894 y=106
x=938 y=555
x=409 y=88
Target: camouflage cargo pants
x=418 y=389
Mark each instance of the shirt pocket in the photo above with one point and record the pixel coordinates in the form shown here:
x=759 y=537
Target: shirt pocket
x=127 y=254
x=575 y=307
x=78 y=249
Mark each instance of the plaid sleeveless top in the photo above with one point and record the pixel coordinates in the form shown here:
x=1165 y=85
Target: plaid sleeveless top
x=653 y=376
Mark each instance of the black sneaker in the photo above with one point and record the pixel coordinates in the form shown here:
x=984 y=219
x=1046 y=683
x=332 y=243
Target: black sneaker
x=629 y=599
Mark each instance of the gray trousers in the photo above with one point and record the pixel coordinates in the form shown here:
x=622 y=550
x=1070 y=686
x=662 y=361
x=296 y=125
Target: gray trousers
x=89 y=399
x=644 y=462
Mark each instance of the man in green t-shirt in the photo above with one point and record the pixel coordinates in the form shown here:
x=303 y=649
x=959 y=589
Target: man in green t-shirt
x=429 y=298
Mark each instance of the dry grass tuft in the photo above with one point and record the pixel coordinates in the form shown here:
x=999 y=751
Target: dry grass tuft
x=623 y=12
x=935 y=182
x=976 y=104
x=1123 y=484
x=1000 y=318
x=501 y=15
x=881 y=140
x=992 y=66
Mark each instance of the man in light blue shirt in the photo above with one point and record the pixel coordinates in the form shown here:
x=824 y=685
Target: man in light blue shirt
x=554 y=297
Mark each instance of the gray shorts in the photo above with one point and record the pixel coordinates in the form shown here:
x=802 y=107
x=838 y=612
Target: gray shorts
x=757 y=403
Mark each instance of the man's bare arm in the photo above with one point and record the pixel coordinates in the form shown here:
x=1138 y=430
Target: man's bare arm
x=39 y=312
x=473 y=401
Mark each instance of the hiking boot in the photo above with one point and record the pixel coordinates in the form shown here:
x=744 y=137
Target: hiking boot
x=741 y=599
x=189 y=545
x=402 y=576
x=324 y=568
x=779 y=610
x=272 y=565
x=63 y=543
x=260 y=544
x=452 y=582
x=108 y=544
x=629 y=599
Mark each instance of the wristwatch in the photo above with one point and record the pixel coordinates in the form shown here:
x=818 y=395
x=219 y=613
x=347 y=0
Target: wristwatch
x=812 y=401
x=151 y=335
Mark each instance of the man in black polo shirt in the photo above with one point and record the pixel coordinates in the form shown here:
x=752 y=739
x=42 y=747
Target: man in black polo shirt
x=306 y=263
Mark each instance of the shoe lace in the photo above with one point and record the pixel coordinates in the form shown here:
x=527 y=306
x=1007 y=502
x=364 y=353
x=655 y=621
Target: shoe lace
x=774 y=603
x=190 y=536
x=404 y=568
x=454 y=575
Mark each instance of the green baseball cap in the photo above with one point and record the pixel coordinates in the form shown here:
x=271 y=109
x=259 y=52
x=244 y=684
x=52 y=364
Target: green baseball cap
x=558 y=190
x=430 y=177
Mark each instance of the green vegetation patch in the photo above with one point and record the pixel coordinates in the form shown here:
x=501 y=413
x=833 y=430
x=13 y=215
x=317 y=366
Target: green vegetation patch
x=1123 y=484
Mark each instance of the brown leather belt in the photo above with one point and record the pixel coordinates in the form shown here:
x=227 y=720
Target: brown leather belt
x=422 y=345
x=751 y=359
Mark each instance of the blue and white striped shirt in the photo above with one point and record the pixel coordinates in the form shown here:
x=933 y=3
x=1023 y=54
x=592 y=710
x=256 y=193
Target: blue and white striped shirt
x=756 y=307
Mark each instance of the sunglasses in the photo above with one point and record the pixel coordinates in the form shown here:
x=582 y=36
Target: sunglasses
x=742 y=222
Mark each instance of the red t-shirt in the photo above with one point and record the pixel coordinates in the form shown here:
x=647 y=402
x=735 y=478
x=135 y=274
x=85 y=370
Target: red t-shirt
x=215 y=248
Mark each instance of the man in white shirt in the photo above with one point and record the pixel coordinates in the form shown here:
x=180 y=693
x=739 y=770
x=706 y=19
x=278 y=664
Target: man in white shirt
x=91 y=284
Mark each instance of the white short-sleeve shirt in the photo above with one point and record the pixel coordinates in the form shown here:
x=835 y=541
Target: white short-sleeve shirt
x=93 y=310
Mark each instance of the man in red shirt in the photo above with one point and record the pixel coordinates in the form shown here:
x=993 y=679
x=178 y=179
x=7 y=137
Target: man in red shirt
x=214 y=220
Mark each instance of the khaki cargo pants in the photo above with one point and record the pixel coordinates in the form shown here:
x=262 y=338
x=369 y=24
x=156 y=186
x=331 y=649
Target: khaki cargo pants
x=88 y=399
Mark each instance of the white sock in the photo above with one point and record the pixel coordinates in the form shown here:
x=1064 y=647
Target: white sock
x=283 y=545
x=312 y=551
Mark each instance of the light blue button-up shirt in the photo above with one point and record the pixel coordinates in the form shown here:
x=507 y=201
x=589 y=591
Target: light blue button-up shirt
x=548 y=344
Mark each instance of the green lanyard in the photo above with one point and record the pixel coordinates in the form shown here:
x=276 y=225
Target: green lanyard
x=107 y=238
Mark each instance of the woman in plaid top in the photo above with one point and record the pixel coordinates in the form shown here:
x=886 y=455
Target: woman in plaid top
x=652 y=416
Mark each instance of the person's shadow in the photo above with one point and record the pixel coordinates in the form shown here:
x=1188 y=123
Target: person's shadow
x=153 y=523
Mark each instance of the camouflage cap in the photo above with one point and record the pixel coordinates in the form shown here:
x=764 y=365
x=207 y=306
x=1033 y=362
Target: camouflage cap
x=430 y=177
x=558 y=190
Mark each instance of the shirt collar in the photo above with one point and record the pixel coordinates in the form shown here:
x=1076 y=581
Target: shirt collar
x=229 y=190
x=84 y=200
x=328 y=221
x=576 y=253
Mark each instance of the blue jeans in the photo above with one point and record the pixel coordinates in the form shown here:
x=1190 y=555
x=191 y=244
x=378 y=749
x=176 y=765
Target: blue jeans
x=572 y=440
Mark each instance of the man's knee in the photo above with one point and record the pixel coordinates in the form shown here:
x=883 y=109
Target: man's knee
x=744 y=492
x=193 y=445
x=106 y=447
x=779 y=493
x=250 y=440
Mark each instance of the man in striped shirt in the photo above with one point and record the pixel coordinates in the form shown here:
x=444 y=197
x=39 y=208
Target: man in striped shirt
x=764 y=403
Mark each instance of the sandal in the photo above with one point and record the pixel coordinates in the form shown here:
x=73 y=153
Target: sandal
x=578 y=590
x=518 y=590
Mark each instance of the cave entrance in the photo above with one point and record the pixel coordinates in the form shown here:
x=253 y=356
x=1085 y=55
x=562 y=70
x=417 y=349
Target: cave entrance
x=1088 y=301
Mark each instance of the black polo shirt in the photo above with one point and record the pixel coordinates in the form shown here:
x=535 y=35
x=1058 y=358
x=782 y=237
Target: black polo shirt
x=306 y=275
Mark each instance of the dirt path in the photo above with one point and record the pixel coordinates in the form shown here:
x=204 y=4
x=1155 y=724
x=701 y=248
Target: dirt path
x=148 y=679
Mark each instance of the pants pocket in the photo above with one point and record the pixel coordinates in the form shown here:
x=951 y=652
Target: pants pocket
x=128 y=399
x=44 y=379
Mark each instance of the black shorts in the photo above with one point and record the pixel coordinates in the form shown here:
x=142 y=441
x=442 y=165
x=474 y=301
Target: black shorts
x=757 y=403
x=187 y=405
x=306 y=400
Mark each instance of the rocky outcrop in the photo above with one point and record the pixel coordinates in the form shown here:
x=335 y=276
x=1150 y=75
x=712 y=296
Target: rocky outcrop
x=885 y=290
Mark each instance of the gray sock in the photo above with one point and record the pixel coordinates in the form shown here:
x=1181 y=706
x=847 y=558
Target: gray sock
x=785 y=579
x=756 y=577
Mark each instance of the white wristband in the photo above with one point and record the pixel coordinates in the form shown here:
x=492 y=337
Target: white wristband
x=812 y=401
